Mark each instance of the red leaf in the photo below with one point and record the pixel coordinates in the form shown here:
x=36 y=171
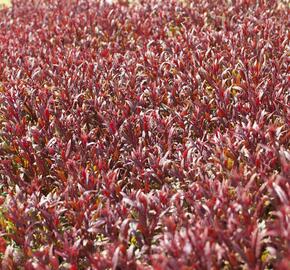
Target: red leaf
x=2 y=245
x=105 y=53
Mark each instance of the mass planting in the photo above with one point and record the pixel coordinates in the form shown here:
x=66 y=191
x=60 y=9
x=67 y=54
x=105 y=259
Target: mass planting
x=145 y=135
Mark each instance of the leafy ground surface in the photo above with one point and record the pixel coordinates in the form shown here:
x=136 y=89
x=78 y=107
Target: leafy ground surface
x=149 y=136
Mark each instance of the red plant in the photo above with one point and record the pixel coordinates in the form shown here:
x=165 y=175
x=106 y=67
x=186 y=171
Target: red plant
x=145 y=135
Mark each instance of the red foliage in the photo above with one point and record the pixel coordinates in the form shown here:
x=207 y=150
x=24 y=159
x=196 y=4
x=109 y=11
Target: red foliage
x=152 y=135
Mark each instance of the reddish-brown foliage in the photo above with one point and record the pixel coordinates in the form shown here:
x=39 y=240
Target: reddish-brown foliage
x=144 y=136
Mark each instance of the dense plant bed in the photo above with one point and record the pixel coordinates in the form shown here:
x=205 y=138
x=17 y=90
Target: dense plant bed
x=145 y=136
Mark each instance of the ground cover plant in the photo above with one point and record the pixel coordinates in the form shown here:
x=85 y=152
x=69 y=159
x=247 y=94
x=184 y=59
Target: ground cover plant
x=152 y=135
